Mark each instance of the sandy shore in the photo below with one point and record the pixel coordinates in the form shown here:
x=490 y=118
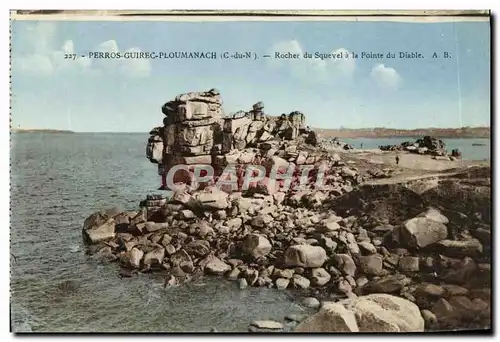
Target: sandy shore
x=408 y=160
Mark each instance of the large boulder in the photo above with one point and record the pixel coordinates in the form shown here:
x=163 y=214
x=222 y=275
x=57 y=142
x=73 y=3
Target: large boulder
x=183 y=197
x=332 y=317
x=134 y=257
x=459 y=249
x=372 y=313
x=105 y=254
x=154 y=147
x=371 y=264
x=300 y=282
x=98 y=227
x=244 y=203
x=154 y=226
x=96 y=219
x=182 y=260
x=380 y=312
x=459 y=312
x=319 y=276
x=256 y=245
x=329 y=224
x=265 y=186
x=234 y=224
x=345 y=263
x=421 y=232
x=217 y=266
x=194 y=136
x=305 y=256
x=461 y=271
x=155 y=257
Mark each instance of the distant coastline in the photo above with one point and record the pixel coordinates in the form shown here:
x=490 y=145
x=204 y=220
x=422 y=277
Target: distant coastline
x=39 y=130
x=465 y=132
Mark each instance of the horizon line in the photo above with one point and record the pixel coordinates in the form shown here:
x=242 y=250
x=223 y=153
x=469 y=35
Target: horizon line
x=314 y=128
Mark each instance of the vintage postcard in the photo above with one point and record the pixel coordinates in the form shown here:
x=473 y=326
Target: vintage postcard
x=280 y=171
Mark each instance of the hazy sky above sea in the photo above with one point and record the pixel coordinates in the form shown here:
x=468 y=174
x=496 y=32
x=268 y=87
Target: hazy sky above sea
x=118 y=95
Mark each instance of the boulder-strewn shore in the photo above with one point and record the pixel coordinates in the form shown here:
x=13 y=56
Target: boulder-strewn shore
x=426 y=145
x=371 y=252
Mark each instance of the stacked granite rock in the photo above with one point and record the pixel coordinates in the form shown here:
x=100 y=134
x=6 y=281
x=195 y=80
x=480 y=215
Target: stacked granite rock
x=263 y=240
x=192 y=131
x=196 y=133
x=154 y=147
x=335 y=143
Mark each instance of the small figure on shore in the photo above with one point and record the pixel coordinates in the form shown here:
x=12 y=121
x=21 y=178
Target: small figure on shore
x=397 y=159
x=361 y=145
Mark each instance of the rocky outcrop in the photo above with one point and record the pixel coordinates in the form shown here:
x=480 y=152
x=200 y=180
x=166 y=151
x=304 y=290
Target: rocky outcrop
x=339 y=247
x=372 y=313
x=262 y=241
x=195 y=131
x=335 y=144
x=305 y=256
x=426 y=145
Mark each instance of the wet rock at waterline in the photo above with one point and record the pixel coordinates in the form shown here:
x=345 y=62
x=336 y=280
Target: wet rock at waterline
x=372 y=313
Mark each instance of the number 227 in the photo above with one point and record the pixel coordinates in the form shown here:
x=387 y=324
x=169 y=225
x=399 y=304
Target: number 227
x=70 y=56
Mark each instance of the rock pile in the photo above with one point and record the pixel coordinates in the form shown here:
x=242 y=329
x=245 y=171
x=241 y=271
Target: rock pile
x=264 y=240
x=426 y=145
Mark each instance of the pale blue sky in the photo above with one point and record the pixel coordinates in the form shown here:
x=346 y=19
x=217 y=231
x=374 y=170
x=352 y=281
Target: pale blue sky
x=126 y=96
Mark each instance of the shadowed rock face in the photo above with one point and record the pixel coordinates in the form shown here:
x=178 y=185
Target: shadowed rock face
x=387 y=203
x=464 y=196
x=468 y=193
x=371 y=313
